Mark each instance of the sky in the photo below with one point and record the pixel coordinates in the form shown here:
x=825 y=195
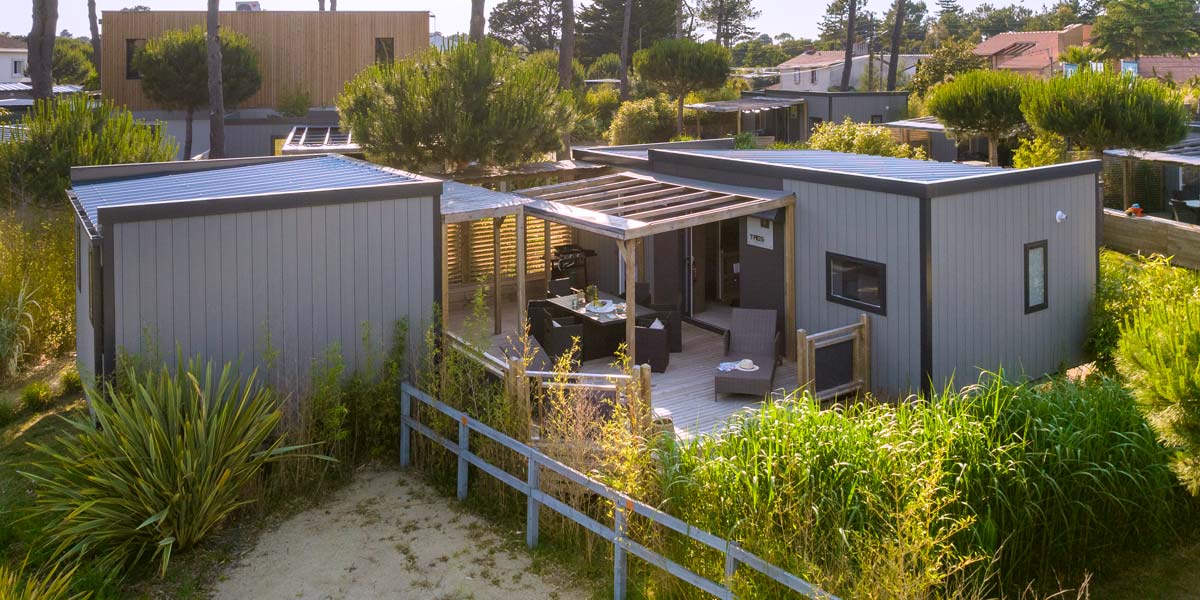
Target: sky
x=797 y=17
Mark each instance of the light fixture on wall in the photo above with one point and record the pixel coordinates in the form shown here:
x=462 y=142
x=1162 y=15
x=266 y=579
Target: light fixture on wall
x=1060 y=216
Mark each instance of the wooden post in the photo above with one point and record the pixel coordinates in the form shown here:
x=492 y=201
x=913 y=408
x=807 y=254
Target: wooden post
x=546 y=243
x=864 y=354
x=521 y=268
x=405 y=428
x=1127 y=182
x=739 y=121
x=464 y=438
x=531 y=506
x=497 y=222
x=445 y=282
x=630 y=297
x=619 y=575
x=803 y=377
x=789 y=280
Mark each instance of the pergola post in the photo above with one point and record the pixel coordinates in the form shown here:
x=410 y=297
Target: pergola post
x=630 y=251
x=521 y=268
x=496 y=315
x=739 y=122
x=789 y=279
x=445 y=279
x=547 y=258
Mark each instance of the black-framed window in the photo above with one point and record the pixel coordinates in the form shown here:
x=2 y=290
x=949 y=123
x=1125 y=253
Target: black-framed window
x=18 y=68
x=132 y=46
x=856 y=282
x=1037 y=290
x=876 y=118
x=385 y=50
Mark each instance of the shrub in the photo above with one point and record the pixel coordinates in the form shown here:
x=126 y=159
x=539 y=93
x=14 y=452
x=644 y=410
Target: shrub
x=18 y=584
x=474 y=103
x=599 y=105
x=642 y=122
x=8 y=413
x=981 y=103
x=71 y=382
x=37 y=260
x=1159 y=355
x=70 y=132
x=606 y=66
x=36 y=395
x=1128 y=285
x=860 y=138
x=1039 y=151
x=743 y=141
x=158 y=468
x=16 y=329
x=294 y=103
x=924 y=499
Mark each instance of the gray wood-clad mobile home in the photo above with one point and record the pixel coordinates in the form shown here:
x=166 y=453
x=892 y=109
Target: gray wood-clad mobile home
x=971 y=268
x=273 y=259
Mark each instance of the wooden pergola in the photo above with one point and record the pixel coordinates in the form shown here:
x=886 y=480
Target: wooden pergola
x=630 y=206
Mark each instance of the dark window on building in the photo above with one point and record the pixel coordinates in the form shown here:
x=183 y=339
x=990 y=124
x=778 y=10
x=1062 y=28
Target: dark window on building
x=1037 y=296
x=813 y=76
x=132 y=47
x=876 y=118
x=385 y=50
x=18 y=68
x=856 y=282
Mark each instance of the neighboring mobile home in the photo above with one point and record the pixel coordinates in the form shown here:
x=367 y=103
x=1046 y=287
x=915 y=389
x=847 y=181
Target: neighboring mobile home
x=299 y=51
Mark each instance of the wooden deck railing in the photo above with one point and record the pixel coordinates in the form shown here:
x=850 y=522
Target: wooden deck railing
x=807 y=347
x=623 y=507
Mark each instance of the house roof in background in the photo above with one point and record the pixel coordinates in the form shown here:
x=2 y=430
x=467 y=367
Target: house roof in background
x=25 y=87
x=239 y=180
x=1022 y=49
x=929 y=123
x=1175 y=68
x=1186 y=152
x=814 y=59
x=744 y=104
x=7 y=42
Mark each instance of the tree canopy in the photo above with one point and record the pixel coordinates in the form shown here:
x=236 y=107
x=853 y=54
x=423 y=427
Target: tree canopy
x=729 y=20
x=174 y=71
x=951 y=58
x=681 y=66
x=912 y=29
x=606 y=66
x=71 y=62
x=860 y=138
x=981 y=103
x=474 y=103
x=1097 y=110
x=598 y=26
x=756 y=53
x=1136 y=28
x=531 y=24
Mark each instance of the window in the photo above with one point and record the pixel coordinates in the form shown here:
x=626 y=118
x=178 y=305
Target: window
x=1036 y=297
x=812 y=76
x=132 y=47
x=876 y=118
x=18 y=68
x=856 y=282
x=385 y=50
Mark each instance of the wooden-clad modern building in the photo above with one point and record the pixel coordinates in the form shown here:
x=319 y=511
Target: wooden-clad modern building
x=310 y=51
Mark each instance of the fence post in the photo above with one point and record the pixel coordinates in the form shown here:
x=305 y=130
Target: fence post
x=731 y=564
x=405 y=429
x=864 y=342
x=464 y=437
x=804 y=378
x=620 y=577
x=531 y=505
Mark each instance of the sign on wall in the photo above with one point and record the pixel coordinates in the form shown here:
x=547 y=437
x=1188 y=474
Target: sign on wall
x=759 y=233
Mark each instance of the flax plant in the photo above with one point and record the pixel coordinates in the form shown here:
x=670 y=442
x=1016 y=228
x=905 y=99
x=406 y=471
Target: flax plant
x=159 y=468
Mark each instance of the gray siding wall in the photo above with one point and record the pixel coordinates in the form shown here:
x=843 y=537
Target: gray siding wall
x=873 y=226
x=85 y=332
x=604 y=269
x=979 y=319
x=297 y=281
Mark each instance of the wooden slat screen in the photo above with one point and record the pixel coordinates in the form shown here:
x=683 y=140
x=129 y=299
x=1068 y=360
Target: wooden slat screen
x=470 y=255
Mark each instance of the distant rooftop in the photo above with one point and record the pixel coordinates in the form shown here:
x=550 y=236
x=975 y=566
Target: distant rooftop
x=25 y=87
x=308 y=174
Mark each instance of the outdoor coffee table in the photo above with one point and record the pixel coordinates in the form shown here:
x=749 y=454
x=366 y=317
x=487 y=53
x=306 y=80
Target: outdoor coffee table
x=751 y=383
x=602 y=332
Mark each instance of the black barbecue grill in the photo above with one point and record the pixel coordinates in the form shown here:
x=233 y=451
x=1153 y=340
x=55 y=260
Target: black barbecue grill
x=570 y=260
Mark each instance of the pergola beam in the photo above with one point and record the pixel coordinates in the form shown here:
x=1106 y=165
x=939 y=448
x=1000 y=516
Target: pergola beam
x=574 y=193
x=640 y=187
x=685 y=209
x=601 y=205
x=621 y=211
x=535 y=192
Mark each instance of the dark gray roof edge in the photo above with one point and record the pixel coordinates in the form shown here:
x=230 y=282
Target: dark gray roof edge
x=706 y=144
x=128 y=170
x=808 y=174
x=1014 y=177
x=903 y=187
x=798 y=93
x=608 y=158
x=82 y=217
x=201 y=207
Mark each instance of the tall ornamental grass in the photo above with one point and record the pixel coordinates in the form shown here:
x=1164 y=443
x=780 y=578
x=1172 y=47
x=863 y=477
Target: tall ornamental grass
x=161 y=466
x=37 y=279
x=960 y=496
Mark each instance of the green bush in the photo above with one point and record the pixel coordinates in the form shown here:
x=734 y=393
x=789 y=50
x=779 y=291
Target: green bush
x=606 y=66
x=860 y=138
x=71 y=382
x=158 y=468
x=1039 y=151
x=743 y=141
x=37 y=259
x=642 y=122
x=924 y=499
x=8 y=413
x=596 y=112
x=294 y=103
x=1159 y=355
x=36 y=396
x=1128 y=285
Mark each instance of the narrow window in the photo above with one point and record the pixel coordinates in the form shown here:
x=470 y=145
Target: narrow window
x=876 y=118
x=132 y=47
x=385 y=50
x=856 y=282
x=1036 y=297
x=812 y=78
x=18 y=68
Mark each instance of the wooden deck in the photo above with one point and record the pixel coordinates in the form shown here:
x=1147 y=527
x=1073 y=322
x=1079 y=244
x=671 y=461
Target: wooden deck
x=685 y=390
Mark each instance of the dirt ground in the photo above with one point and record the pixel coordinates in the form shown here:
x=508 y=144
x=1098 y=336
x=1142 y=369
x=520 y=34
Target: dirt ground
x=388 y=535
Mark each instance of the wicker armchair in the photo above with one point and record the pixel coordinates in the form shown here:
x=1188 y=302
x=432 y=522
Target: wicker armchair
x=752 y=335
x=671 y=317
x=559 y=334
x=652 y=345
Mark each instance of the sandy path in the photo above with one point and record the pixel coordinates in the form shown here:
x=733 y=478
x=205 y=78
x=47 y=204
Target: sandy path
x=388 y=535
